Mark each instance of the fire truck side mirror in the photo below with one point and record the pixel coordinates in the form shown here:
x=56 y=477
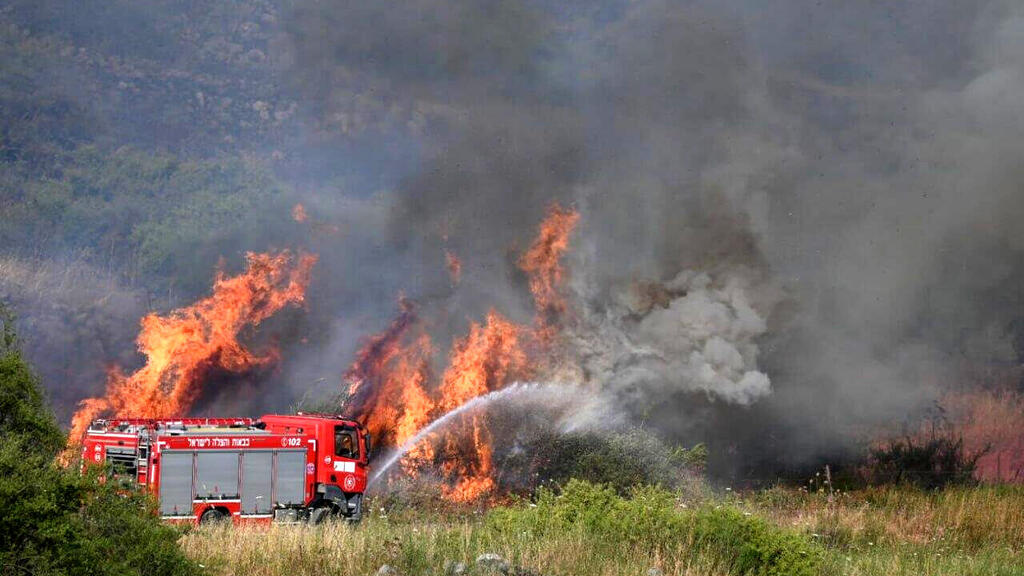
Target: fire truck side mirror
x=366 y=441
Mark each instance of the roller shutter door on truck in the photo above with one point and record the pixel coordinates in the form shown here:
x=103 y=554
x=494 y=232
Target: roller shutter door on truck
x=176 y=484
x=217 y=474
x=291 y=477
x=257 y=475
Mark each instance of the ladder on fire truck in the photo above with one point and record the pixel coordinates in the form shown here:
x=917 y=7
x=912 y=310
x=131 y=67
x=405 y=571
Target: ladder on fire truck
x=142 y=461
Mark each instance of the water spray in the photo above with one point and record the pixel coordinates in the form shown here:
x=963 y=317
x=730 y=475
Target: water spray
x=478 y=402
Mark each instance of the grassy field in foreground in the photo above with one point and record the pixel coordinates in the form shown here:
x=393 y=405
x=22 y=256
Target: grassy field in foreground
x=591 y=531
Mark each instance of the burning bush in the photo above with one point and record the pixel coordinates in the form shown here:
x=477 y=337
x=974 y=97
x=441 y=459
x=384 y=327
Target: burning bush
x=944 y=447
x=930 y=463
x=395 y=393
x=184 y=347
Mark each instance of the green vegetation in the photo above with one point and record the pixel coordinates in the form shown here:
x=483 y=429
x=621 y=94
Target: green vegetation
x=55 y=520
x=24 y=416
x=150 y=215
x=584 y=529
x=651 y=520
x=906 y=530
x=143 y=169
x=621 y=461
x=695 y=458
x=589 y=529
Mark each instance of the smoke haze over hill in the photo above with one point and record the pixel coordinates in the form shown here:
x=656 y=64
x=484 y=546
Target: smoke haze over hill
x=795 y=222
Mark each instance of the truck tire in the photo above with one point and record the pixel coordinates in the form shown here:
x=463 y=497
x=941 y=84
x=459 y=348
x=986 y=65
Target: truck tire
x=356 y=515
x=320 y=513
x=212 y=516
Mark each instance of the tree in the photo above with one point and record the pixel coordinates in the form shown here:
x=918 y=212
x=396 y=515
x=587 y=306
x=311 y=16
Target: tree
x=54 y=520
x=23 y=410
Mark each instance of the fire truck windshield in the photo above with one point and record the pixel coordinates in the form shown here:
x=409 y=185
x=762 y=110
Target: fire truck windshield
x=345 y=444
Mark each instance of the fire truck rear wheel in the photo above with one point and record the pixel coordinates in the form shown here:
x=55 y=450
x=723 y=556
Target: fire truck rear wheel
x=319 y=513
x=212 y=516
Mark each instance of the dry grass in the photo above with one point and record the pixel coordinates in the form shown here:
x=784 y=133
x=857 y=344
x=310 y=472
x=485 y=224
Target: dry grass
x=340 y=549
x=968 y=518
x=894 y=530
x=50 y=280
x=878 y=532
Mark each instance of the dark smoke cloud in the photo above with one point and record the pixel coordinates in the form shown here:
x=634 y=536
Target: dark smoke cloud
x=841 y=179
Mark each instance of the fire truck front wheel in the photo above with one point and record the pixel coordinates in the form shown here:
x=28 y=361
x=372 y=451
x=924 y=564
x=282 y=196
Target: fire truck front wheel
x=213 y=516
x=355 y=509
x=319 y=513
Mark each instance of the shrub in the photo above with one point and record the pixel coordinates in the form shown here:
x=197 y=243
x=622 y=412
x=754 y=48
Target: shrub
x=55 y=520
x=753 y=546
x=620 y=460
x=23 y=412
x=934 y=462
x=695 y=458
x=650 y=519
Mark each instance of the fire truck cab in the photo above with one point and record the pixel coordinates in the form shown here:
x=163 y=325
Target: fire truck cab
x=281 y=468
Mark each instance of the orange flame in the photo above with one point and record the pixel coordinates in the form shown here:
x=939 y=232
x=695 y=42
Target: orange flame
x=487 y=359
x=417 y=405
x=543 y=265
x=386 y=382
x=482 y=361
x=390 y=384
x=299 y=213
x=183 y=346
x=414 y=370
x=474 y=476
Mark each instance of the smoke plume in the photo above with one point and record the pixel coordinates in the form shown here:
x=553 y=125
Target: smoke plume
x=810 y=221
x=795 y=221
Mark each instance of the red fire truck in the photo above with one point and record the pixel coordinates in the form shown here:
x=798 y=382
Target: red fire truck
x=275 y=468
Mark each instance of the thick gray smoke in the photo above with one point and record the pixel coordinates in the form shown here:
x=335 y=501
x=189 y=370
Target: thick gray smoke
x=688 y=334
x=808 y=211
